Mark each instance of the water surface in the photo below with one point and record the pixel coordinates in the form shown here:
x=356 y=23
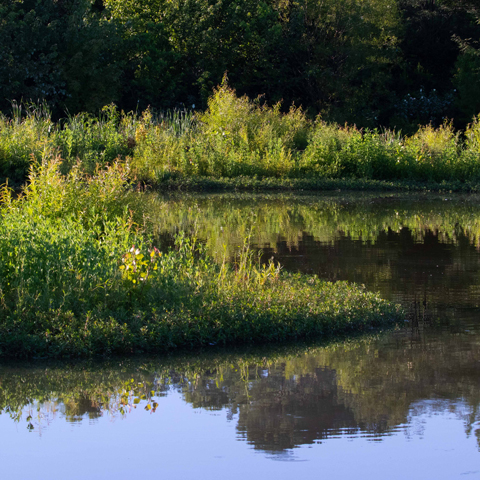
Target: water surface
x=399 y=404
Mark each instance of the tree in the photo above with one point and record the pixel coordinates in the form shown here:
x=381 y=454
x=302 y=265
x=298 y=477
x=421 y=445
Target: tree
x=333 y=56
x=57 y=51
x=430 y=48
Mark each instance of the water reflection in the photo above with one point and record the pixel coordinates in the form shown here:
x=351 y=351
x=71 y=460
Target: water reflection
x=287 y=412
x=414 y=250
x=369 y=387
x=397 y=266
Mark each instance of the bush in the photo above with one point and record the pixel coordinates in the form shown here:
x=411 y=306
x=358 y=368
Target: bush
x=434 y=154
x=241 y=137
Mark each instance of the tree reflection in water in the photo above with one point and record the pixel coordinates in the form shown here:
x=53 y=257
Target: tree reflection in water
x=410 y=248
x=369 y=387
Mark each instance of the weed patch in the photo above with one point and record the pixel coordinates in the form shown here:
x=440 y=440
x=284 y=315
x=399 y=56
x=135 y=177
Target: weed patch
x=238 y=140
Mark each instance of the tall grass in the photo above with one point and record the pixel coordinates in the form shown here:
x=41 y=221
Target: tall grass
x=24 y=140
x=95 y=140
x=234 y=137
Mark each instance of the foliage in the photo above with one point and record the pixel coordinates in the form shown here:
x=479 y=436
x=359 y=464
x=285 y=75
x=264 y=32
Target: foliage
x=58 y=52
x=30 y=136
x=467 y=80
x=372 y=63
x=237 y=137
x=24 y=139
x=431 y=46
x=63 y=290
x=97 y=141
x=329 y=56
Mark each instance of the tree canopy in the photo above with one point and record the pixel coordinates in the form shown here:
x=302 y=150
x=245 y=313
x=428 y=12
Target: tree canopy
x=368 y=62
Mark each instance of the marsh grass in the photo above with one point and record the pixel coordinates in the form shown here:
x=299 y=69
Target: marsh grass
x=66 y=241
x=24 y=140
x=234 y=137
x=94 y=141
x=237 y=137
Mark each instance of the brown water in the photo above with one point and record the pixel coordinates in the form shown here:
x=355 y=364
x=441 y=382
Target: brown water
x=400 y=404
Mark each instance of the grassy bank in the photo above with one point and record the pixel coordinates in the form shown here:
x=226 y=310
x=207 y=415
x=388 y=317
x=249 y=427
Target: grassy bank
x=79 y=276
x=240 y=144
x=242 y=183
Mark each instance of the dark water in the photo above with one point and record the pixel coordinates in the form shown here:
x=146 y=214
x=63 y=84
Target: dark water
x=401 y=404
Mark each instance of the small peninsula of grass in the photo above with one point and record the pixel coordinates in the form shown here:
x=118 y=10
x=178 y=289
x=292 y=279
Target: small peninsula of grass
x=80 y=276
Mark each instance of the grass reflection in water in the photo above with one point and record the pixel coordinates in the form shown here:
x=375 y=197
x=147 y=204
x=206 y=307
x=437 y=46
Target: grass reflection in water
x=281 y=398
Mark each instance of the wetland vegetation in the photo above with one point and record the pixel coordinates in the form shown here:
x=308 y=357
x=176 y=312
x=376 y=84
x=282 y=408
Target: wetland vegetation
x=115 y=114
x=82 y=267
x=80 y=275
x=241 y=144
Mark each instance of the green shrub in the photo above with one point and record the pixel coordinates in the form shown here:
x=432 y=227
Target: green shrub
x=60 y=241
x=435 y=153
x=242 y=137
x=429 y=155
x=160 y=145
x=336 y=152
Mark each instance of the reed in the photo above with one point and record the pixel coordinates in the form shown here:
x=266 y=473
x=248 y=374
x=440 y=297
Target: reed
x=235 y=137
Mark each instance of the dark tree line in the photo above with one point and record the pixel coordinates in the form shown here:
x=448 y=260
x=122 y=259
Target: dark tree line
x=371 y=62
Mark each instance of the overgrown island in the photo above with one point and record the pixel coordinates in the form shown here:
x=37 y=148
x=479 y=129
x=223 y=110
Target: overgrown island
x=81 y=272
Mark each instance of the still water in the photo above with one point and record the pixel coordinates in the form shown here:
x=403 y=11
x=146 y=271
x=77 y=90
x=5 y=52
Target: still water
x=397 y=405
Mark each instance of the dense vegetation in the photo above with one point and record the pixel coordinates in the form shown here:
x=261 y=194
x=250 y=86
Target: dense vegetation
x=391 y=63
x=237 y=138
x=336 y=92
x=79 y=276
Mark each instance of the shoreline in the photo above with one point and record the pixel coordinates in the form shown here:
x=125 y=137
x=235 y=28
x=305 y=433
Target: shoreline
x=301 y=185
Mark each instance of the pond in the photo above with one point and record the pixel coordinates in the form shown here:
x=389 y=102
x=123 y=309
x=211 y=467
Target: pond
x=396 y=404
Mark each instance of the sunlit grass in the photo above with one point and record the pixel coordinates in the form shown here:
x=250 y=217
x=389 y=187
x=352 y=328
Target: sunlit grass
x=236 y=137
x=80 y=275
